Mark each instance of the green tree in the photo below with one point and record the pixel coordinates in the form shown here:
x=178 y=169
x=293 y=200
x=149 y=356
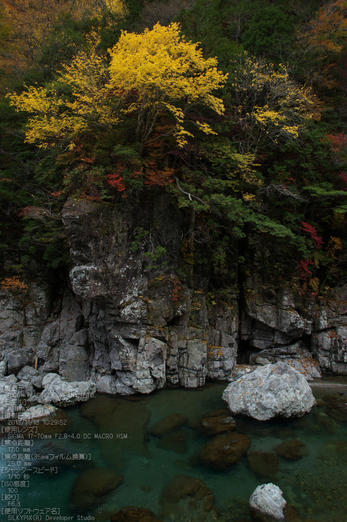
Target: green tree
x=270 y=34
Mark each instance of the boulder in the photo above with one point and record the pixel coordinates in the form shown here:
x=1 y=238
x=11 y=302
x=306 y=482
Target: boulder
x=271 y=391
x=92 y=486
x=11 y=379
x=29 y=374
x=37 y=413
x=225 y=450
x=267 y=503
x=27 y=391
x=47 y=420
x=61 y=393
x=10 y=400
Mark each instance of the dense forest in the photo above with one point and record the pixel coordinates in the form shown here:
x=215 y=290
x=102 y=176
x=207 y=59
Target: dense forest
x=236 y=108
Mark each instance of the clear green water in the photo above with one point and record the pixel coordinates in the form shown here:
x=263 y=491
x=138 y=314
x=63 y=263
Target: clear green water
x=315 y=485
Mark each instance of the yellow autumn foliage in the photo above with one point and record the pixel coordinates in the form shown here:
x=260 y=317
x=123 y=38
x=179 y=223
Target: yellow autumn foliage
x=60 y=117
x=166 y=74
x=150 y=74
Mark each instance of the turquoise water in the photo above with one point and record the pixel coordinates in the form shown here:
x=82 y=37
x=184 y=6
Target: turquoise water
x=315 y=485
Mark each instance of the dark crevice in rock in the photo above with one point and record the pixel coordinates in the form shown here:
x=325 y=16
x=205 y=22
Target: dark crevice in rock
x=132 y=341
x=307 y=340
x=244 y=352
x=175 y=321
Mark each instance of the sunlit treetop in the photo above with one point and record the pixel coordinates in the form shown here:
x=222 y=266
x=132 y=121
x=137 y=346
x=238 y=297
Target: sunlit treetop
x=166 y=73
x=153 y=74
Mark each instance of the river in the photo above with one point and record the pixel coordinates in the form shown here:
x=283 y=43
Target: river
x=115 y=433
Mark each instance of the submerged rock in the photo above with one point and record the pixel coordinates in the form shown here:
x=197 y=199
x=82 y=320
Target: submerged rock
x=221 y=422
x=292 y=449
x=92 y=485
x=111 y=415
x=337 y=407
x=134 y=514
x=186 y=495
x=272 y=390
x=267 y=503
x=224 y=450
x=174 y=442
x=263 y=463
x=169 y=424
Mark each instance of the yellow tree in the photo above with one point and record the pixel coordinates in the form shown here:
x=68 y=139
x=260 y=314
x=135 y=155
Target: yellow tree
x=75 y=104
x=164 y=74
x=153 y=74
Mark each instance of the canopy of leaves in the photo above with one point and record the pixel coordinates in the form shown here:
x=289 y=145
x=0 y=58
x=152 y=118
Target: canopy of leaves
x=150 y=74
x=271 y=108
x=243 y=146
x=270 y=34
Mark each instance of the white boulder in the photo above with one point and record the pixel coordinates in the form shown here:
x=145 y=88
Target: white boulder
x=268 y=504
x=274 y=390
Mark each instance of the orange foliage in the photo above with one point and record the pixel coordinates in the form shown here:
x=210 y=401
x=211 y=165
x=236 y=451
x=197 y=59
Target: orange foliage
x=14 y=283
x=26 y=25
x=326 y=38
x=158 y=177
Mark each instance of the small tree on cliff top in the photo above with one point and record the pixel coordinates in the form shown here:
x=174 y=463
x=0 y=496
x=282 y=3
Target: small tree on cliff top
x=153 y=74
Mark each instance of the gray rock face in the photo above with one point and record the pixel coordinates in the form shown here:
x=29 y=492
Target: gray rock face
x=22 y=317
x=58 y=335
x=62 y=393
x=267 y=503
x=329 y=342
x=133 y=345
x=274 y=316
x=272 y=320
x=3 y=368
x=131 y=326
x=74 y=358
x=272 y=390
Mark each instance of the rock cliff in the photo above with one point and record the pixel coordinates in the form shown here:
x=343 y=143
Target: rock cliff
x=133 y=318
